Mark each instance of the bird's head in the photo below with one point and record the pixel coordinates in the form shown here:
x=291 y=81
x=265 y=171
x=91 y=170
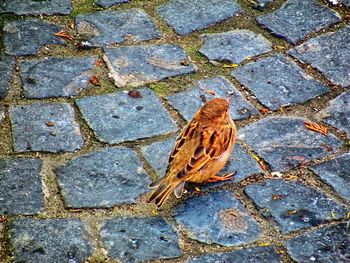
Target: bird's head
x=216 y=110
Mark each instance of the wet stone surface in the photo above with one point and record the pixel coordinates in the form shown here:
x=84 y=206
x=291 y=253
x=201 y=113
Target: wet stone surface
x=108 y=3
x=285 y=143
x=45 y=127
x=188 y=16
x=225 y=223
x=329 y=53
x=50 y=240
x=105 y=178
x=327 y=244
x=26 y=37
x=138 y=65
x=55 y=77
x=157 y=154
x=188 y=102
x=35 y=7
x=251 y=255
x=135 y=239
x=20 y=187
x=297 y=18
x=108 y=27
x=277 y=81
x=234 y=46
x=7 y=65
x=338 y=113
x=292 y=205
x=336 y=173
x=119 y=117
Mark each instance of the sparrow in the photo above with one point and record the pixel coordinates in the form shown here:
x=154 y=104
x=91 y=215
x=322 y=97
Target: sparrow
x=200 y=152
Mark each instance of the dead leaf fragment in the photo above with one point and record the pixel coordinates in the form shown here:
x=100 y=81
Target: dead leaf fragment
x=134 y=94
x=64 y=35
x=276 y=197
x=50 y=123
x=99 y=63
x=264 y=110
x=312 y=126
x=95 y=80
x=230 y=65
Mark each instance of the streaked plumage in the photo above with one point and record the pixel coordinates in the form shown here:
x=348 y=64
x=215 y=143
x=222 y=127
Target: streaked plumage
x=200 y=151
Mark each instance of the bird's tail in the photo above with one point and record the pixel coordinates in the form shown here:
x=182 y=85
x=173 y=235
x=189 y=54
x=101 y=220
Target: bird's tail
x=163 y=188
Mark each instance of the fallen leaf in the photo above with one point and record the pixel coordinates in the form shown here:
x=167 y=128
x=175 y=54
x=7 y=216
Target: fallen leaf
x=312 y=126
x=264 y=110
x=211 y=92
x=290 y=177
x=50 y=123
x=134 y=94
x=292 y=212
x=276 y=197
x=279 y=47
x=99 y=63
x=197 y=189
x=95 y=80
x=64 y=35
x=230 y=65
x=155 y=212
x=266 y=244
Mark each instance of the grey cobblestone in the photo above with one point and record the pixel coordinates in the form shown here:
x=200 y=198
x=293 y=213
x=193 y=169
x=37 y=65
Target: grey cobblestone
x=138 y=239
x=45 y=127
x=294 y=206
x=108 y=3
x=105 y=178
x=297 y=18
x=55 y=77
x=35 y=7
x=7 y=65
x=20 y=187
x=108 y=27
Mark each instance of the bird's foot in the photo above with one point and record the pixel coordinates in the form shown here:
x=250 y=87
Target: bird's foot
x=225 y=177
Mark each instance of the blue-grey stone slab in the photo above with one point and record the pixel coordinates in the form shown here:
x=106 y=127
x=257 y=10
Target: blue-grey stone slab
x=234 y=46
x=329 y=53
x=36 y=7
x=108 y=3
x=107 y=27
x=217 y=218
x=136 y=239
x=336 y=173
x=296 y=206
x=251 y=255
x=338 y=113
x=187 y=103
x=277 y=81
x=138 y=65
x=285 y=143
x=324 y=245
x=157 y=154
x=297 y=18
x=55 y=77
x=104 y=178
x=20 y=187
x=50 y=240
x=26 y=37
x=188 y=16
x=118 y=117
x=7 y=65
x=2 y=114
x=45 y=127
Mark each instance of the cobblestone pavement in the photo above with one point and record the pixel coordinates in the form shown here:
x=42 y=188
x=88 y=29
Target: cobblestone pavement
x=94 y=92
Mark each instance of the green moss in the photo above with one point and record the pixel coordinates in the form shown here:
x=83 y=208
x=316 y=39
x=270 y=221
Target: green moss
x=83 y=6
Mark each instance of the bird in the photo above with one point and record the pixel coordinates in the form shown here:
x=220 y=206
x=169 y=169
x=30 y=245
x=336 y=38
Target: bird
x=200 y=151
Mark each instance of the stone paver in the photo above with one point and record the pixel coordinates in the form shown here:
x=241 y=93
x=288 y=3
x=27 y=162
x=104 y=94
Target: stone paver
x=157 y=154
x=26 y=37
x=35 y=7
x=338 y=113
x=277 y=81
x=329 y=53
x=284 y=142
x=218 y=218
x=136 y=239
x=336 y=173
x=7 y=65
x=234 y=46
x=251 y=255
x=108 y=27
x=55 y=77
x=50 y=240
x=297 y=18
x=188 y=102
x=118 y=117
x=45 y=127
x=188 y=16
x=327 y=244
x=105 y=178
x=294 y=206
x=20 y=187
x=108 y=3
x=139 y=65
